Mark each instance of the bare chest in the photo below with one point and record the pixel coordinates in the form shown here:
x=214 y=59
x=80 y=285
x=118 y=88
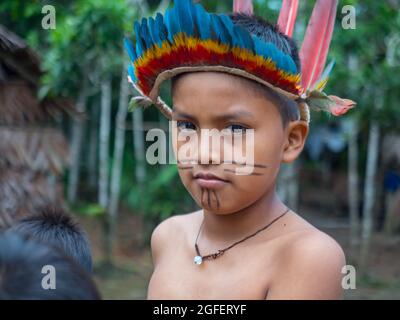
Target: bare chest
x=238 y=274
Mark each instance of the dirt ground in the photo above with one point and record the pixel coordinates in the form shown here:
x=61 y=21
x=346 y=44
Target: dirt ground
x=133 y=265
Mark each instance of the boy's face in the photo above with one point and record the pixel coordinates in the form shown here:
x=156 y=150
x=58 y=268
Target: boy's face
x=224 y=103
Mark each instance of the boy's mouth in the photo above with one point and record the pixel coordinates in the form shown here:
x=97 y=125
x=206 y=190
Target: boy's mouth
x=209 y=180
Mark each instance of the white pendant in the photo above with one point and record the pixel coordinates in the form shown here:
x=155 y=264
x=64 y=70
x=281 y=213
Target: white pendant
x=198 y=260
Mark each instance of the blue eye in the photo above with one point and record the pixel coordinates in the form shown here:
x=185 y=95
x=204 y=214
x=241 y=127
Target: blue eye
x=237 y=129
x=185 y=125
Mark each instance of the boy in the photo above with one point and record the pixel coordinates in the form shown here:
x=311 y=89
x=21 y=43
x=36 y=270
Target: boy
x=244 y=243
x=25 y=272
x=56 y=228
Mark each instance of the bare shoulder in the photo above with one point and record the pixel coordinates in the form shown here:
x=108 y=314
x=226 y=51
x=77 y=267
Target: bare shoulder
x=305 y=240
x=310 y=266
x=316 y=248
x=171 y=230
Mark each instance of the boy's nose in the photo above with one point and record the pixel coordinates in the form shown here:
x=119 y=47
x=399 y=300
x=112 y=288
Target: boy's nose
x=209 y=150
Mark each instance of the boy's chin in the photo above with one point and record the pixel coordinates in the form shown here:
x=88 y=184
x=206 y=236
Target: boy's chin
x=224 y=207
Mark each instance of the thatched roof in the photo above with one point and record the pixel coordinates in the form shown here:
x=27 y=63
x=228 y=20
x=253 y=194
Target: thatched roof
x=32 y=154
x=25 y=141
x=36 y=149
x=19 y=105
x=24 y=192
x=32 y=160
x=17 y=59
x=20 y=73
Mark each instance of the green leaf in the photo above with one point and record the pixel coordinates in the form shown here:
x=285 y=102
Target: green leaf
x=318 y=100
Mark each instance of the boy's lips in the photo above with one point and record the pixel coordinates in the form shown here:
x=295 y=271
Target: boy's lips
x=209 y=180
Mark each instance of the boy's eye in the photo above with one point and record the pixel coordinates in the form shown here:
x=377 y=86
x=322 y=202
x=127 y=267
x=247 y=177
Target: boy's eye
x=237 y=129
x=185 y=125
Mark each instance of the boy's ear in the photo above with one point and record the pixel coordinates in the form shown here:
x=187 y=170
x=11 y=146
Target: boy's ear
x=296 y=135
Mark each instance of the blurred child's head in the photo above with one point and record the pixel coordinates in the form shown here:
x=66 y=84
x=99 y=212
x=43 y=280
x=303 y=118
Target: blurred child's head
x=218 y=100
x=24 y=264
x=56 y=228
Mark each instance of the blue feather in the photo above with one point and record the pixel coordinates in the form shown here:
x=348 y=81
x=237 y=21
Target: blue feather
x=229 y=26
x=153 y=31
x=220 y=29
x=184 y=14
x=129 y=48
x=145 y=33
x=202 y=22
x=172 y=23
x=269 y=49
x=242 y=39
x=280 y=61
x=139 y=44
x=285 y=62
x=161 y=29
x=167 y=22
x=131 y=72
x=266 y=49
x=292 y=68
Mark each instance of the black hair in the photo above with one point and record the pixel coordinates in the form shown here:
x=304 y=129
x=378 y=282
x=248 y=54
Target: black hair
x=55 y=227
x=269 y=33
x=22 y=273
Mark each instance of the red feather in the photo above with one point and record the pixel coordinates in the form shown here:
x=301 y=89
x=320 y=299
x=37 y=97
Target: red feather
x=314 y=49
x=245 y=6
x=287 y=16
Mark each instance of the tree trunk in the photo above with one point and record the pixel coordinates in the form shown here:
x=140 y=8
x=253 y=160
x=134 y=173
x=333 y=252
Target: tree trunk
x=139 y=147
x=353 y=179
x=369 y=188
x=353 y=184
x=76 y=143
x=104 y=139
x=119 y=144
x=93 y=138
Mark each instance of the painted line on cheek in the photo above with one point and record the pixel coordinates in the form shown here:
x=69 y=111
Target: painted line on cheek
x=244 y=164
x=251 y=174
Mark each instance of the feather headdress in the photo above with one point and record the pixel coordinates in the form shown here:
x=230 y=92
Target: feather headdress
x=189 y=39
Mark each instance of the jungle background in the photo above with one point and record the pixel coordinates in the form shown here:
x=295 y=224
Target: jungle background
x=69 y=136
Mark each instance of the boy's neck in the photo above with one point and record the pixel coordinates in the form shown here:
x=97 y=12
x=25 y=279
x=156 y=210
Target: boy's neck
x=223 y=228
